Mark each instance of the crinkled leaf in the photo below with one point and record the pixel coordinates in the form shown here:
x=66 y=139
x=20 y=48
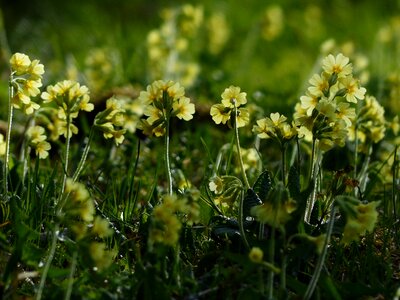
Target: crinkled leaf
x=263 y=185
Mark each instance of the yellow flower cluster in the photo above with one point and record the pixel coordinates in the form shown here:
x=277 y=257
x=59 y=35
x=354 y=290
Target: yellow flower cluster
x=227 y=190
x=79 y=212
x=224 y=112
x=100 y=68
x=363 y=221
x=168 y=46
x=163 y=100
x=134 y=110
x=324 y=112
x=26 y=79
x=166 y=224
x=370 y=125
x=272 y=22
x=275 y=127
x=111 y=120
x=218 y=32
x=37 y=139
x=70 y=98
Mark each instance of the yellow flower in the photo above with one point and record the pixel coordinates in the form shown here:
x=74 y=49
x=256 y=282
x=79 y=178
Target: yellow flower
x=220 y=113
x=101 y=227
x=338 y=65
x=183 y=108
x=232 y=97
x=36 y=134
x=243 y=117
x=42 y=149
x=346 y=113
x=20 y=63
x=256 y=255
x=319 y=85
x=216 y=185
x=308 y=103
x=353 y=90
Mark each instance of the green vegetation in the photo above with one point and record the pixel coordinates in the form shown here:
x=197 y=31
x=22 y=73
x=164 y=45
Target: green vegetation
x=212 y=150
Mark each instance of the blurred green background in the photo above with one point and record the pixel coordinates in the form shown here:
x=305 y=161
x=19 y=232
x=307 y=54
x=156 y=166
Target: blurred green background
x=272 y=66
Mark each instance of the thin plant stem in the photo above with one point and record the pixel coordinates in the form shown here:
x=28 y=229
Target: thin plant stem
x=66 y=164
x=321 y=259
x=71 y=276
x=8 y=137
x=313 y=172
x=84 y=156
x=247 y=185
x=283 y=150
x=48 y=262
x=166 y=157
x=271 y=273
x=246 y=182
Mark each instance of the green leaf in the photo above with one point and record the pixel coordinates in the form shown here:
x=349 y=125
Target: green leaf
x=251 y=199
x=294 y=183
x=263 y=185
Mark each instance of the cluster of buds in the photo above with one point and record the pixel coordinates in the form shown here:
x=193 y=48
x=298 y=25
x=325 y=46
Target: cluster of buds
x=163 y=100
x=275 y=127
x=79 y=211
x=224 y=112
x=166 y=225
x=70 y=98
x=111 y=120
x=361 y=220
x=37 y=139
x=370 y=125
x=26 y=79
x=324 y=112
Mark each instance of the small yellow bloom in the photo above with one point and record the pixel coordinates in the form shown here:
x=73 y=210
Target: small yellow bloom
x=338 y=65
x=20 y=63
x=256 y=255
x=232 y=97
x=220 y=113
x=183 y=108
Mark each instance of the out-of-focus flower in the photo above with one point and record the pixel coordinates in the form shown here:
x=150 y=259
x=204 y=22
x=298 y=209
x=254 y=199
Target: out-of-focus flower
x=37 y=140
x=256 y=255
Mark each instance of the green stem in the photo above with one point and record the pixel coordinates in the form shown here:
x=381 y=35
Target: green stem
x=321 y=259
x=313 y=177
x=71 y=276
x=84 y=156
x=246 y=182
x=283 y=150
x=68 y=141
x=8 y=137
x=48 y=262
x=166 y=156
x=270 y=282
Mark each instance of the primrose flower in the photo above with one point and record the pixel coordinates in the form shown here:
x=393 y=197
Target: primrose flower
x=276 y=127
x=338 y=65
x=364 y=221
x=232 y=97
x=183 y=109
x=353 y=91
x=166 y=225
x=70 y=98
x=163 y=100
x=99 y=255
x=223 y=112
x=26 y=80
x=326 y=112
x=37 y=140
x=110 y=121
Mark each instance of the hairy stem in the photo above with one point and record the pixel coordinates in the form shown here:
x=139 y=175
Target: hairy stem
x=166 y=157
x=84 y=156
x=321 y=259
x=71 y=276
x=48 y=262
x=8 y=137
